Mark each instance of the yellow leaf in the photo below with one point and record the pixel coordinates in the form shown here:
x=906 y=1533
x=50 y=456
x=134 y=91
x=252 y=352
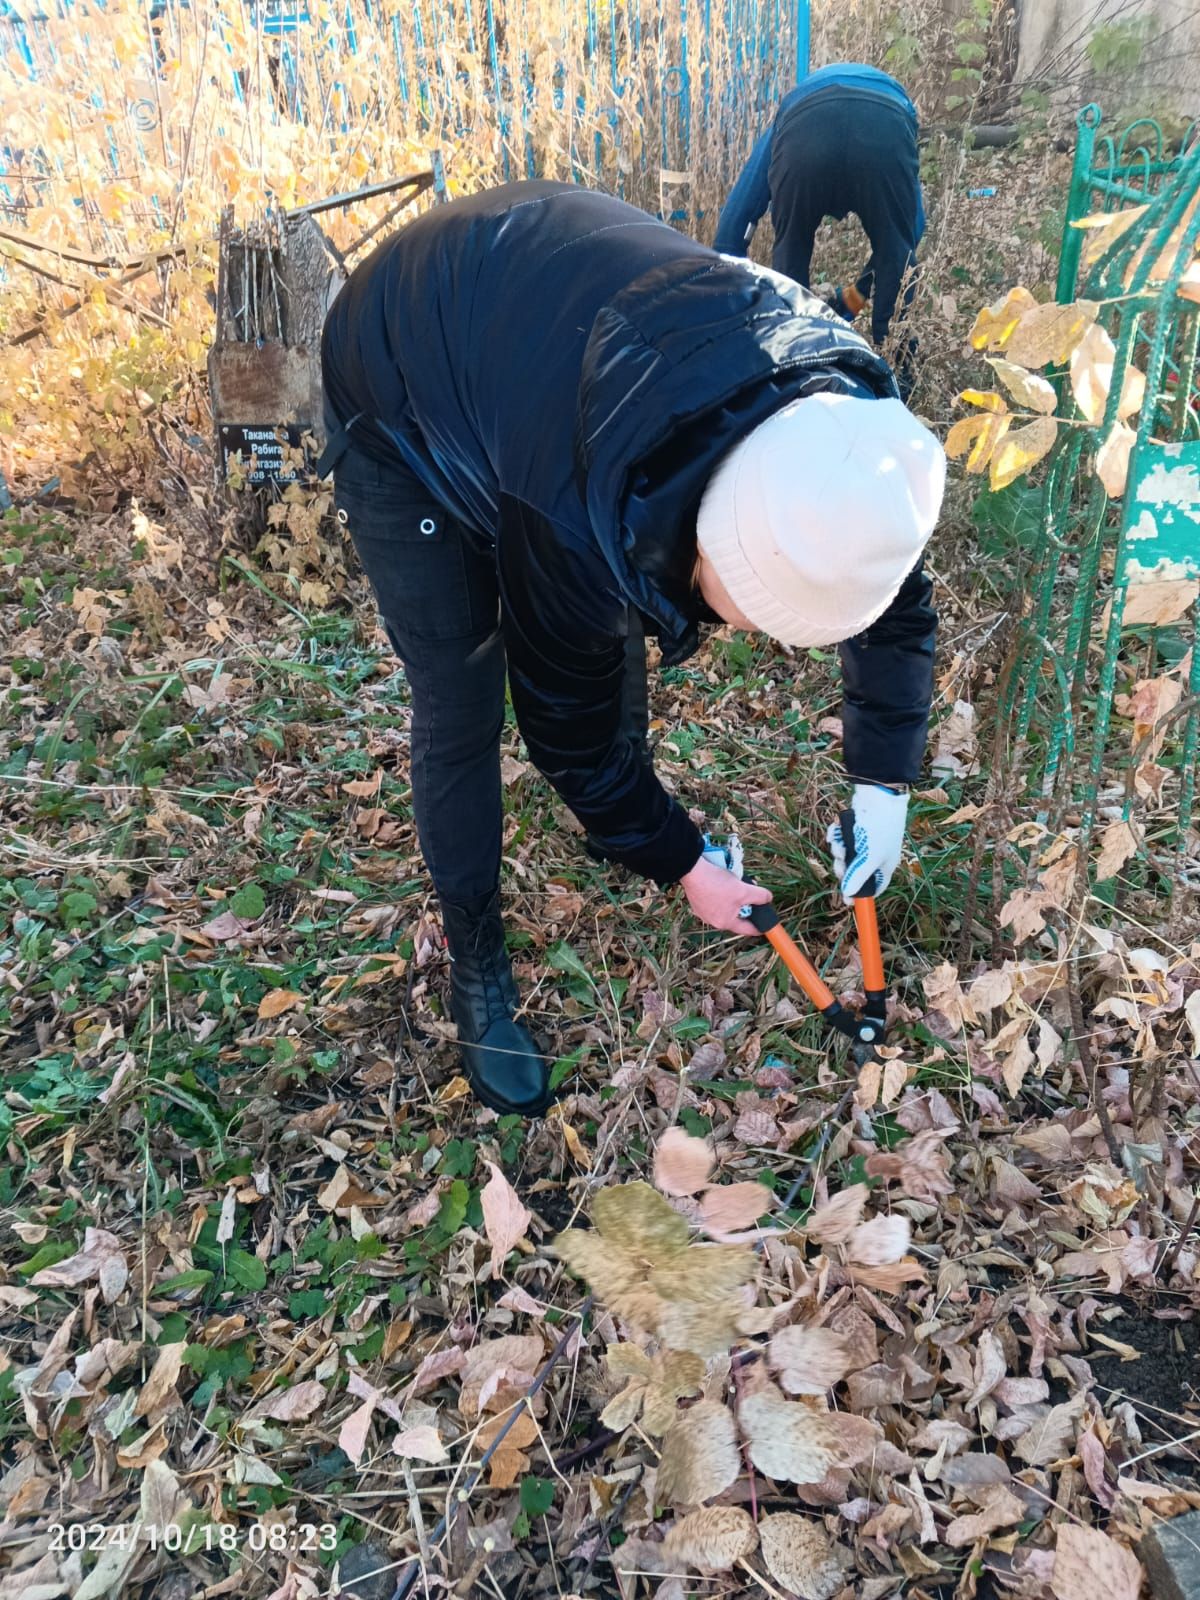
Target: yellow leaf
x=1112 y=458
x=576 y=1146
x=1105 y=228
x=995 y=323
x=457 y=1089
x=1027 y=388
x=1049 y=333
x=985 y=399
x=1021 y=449
x=276 y=1001
x=978 y=434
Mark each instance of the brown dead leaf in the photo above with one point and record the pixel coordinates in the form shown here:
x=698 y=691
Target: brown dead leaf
x=682 y=1164
x=102 y=1258
x=713 y=1539
x=834 y=1222
x=343 y=1191
x=999 y=1508
x=730 y=1207
x=700 y=1457
x=786 y=1439
x=295 y=1404
x=809 y=1360
x=510 y=1461
x=352 y=1435
x=1088 y=1564
x=158 y=1393
x=800 y=1556
x=1025 y=913
x=1052 y=1436
x=1118 y=843
x=276 y=1001
x=364 y=788
x=505 y=1219
x=1152 y=700
x=989 y=1367
x=880 y=1242
x=422 y=1443
x=1158 y=604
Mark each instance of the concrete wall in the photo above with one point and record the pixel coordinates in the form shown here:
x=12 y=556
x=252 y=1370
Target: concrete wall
x=1166 y=79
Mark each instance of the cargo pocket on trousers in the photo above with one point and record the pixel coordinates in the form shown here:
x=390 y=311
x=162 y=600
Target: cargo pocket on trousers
x=417 y=560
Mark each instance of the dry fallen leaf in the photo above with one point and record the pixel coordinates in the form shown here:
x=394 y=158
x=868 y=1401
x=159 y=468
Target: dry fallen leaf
x=1119 y=842
x=1089 y=1564
x=422 y=1444
x=1157 y=604
x=731 y=1207
x=158 y=1393
x=505 y=1219
x=700 y=1456
x=999 y=1508
x=834 y=1222
x=276 y=1001
x=785 y=1438
x=101 y=1257
x=352 y=1435
x=682 y=1164
x=296 y=1403
x=809 y=1360
x=880 y=1241
x=713 y=1539
x=800 y=1556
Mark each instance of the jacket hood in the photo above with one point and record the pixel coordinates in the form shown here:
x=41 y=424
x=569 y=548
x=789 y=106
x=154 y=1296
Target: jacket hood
x=679 y=366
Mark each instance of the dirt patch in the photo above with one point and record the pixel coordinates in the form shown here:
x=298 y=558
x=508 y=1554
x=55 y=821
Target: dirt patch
x=1167 y=1376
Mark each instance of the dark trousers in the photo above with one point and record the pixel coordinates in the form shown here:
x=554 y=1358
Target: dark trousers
x=438 y=595
x=838 y=153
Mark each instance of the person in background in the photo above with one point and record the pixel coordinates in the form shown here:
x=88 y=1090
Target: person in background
x=558 y=425
x=844 y=140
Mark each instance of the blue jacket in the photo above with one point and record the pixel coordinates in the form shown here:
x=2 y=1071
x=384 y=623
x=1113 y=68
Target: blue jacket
x=833 y=149
x=564 y=372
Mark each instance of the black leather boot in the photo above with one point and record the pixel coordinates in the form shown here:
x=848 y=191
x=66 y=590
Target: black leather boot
x=507 y=1070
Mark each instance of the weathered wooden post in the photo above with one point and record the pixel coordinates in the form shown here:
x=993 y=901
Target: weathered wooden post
x=276 y=278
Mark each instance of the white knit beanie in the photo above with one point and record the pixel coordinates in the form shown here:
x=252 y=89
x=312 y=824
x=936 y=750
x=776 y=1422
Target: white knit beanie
x=813 y=521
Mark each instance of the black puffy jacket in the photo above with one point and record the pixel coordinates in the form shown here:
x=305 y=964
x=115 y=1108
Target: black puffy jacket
x=564 y=373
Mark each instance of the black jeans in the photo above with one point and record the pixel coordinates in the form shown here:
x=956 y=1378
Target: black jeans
x=438 y=595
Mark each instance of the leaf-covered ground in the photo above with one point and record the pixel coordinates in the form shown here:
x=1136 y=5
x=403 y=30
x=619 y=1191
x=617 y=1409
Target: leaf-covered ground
x=280 y=1305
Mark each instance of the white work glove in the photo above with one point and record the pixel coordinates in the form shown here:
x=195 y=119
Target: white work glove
x=879 y=816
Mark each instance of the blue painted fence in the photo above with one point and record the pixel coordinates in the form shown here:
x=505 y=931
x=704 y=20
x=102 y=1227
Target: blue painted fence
x=653 y=92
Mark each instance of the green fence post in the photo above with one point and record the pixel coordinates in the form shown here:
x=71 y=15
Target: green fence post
x=1078 y=199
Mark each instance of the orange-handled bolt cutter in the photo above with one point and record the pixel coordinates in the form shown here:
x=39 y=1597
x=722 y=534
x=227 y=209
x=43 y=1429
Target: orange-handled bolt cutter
x=865 y=1029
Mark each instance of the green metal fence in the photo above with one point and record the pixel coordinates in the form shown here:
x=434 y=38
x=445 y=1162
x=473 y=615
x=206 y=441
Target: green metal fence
x=1112 y=602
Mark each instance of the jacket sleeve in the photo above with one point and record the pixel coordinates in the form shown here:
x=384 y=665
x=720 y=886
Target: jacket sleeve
x=887 y=678
x=564 y=624
x=748 y=202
